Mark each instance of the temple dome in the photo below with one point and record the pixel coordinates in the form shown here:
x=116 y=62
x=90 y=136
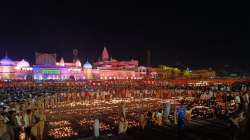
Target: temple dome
x=6 y=61
x=23 y=63
x=87 y=65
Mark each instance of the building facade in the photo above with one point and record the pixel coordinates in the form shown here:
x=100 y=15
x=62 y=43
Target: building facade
x=108 y=68
x=18 y=70
x=47 y=68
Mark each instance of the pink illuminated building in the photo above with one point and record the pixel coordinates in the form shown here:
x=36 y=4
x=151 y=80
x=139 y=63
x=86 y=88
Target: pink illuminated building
x=112 y=64
x=108 y=68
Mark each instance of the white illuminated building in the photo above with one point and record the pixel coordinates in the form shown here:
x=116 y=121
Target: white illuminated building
x=18 y=70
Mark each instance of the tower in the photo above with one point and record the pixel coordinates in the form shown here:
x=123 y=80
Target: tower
x=105 y=54
x=148 y=59
x=75 y=54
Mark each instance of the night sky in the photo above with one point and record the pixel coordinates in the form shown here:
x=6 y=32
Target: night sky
x=193 y=34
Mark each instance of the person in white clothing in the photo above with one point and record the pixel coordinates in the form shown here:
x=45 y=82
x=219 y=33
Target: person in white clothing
x=159 y=118
x=237 y=99
x=121 y=126
x=167 y=112
x=19 y=123
x=124 y=110
x=96 y=128
x=245 y=101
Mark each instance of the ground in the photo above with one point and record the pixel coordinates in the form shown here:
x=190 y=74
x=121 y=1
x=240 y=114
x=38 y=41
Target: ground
x=196 y=130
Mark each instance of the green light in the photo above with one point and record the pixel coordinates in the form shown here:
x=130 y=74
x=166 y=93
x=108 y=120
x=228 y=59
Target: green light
x=50 y=71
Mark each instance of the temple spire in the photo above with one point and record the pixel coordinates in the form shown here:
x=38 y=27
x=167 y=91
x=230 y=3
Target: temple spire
x=61 y=63
x=105 y=54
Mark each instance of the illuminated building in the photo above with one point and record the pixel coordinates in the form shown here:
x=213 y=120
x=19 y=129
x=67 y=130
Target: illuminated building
x=87 y=70
x=107 y=63
x=75 y=70
x=114 y=74
x=47 y=68
x=23 y=70
x=7 y=68
x=49 y=72
x=203 y=73
x=164 y=72
x=108 y=68
x=10 y=69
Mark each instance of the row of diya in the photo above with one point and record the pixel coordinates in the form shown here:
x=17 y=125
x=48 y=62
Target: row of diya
x=62 y=132
x=111 y=102
x=66 y=131
x=98 y=110
x=64 y=128
x=196 y=111
x=93 y=111
x=53 y=100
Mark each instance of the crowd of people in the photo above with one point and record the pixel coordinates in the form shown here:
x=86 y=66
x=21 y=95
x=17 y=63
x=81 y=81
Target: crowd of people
x=25 y=119
x=231 y=107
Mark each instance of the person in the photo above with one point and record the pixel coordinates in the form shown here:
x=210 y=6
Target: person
x=39 y=126
x=124 y=109
x=121 y=126
x=245 y=97
x=34 y=128
x=181 y=116
x=4 y=135
x=19 y=123
x=4 y=118
x=149 y=120
x=154 y=119
x=125 y=126
x=167 y=112
x=237 y=99
x=217 y=111
x=11 y=123
x=28 y=123
x=96 y=128
x=142 y=121
x=22 y=134
x=159 y=118
x=189 y=114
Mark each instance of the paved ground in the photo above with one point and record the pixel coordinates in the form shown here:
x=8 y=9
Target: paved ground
x=196 y=130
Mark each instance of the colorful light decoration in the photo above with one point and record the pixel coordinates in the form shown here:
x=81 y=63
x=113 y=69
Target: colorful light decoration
x=50 y=71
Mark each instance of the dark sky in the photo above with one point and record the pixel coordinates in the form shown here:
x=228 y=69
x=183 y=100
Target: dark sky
x=189 y=33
